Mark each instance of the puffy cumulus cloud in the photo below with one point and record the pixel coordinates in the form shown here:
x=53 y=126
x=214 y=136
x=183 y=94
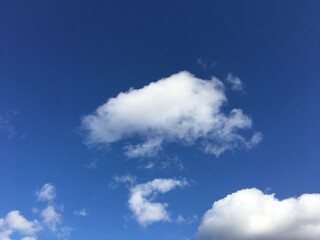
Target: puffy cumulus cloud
x=14 y=222
x=251 y=214
x=144 y=209
x=46 y=193
x=181 y=108
x=235 y=82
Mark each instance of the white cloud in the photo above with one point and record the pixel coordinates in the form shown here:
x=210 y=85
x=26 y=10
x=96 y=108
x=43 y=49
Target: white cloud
x=64 y=232
x=186 y=220
x=164 y=162
x=147 y=149
x=46 y=193
x=6 y=125
x=235 y=82
x=202 y=63
x=205 y=63
x=144 y=209
x=17 y=222
x=126 y=180
x=81 y=212
x=250 y=214
x=92 y=165
x=51 y=218
x=14 y=222
x=29 y=238
x=180 y=108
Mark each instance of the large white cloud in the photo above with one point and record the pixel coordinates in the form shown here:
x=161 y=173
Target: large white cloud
x=180 y=108
x=144 y=209
x=250 y=214
x=14 y=222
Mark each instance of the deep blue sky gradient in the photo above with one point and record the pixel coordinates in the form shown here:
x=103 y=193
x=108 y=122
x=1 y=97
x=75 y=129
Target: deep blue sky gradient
x=59 y=60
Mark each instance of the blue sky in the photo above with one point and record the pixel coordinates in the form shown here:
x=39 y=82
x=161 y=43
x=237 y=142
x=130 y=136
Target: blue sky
x=61 y=60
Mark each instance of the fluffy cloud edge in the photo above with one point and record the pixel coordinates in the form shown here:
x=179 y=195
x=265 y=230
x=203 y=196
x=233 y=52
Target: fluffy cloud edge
x=180 y=108
x=141 y=200
x=251 y=214
x=15 y=222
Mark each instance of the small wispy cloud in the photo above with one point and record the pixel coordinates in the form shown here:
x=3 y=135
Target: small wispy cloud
x=186 y=220
x=127 y=180
x=163 y=162
x=92 y=165
x=205 y=63
x=149 y=148
x=46 y=193
x=7 y=126
x=81 y=212
x=235 y=83
x=141 y=200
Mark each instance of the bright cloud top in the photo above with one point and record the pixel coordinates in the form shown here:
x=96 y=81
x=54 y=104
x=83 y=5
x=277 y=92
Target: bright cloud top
x=180 y=108
x=146 y=211
x=251 y=214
